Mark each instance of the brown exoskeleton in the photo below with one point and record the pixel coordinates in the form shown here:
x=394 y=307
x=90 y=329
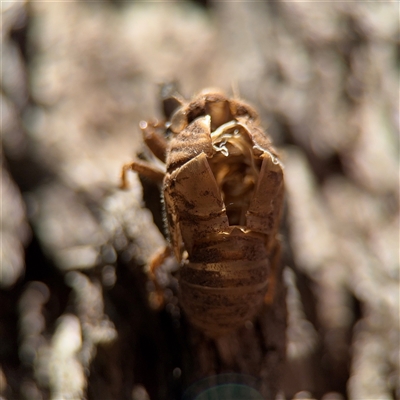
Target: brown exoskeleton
x=223 y=192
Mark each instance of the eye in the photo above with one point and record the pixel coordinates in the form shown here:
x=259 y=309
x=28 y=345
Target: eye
x=178 y=121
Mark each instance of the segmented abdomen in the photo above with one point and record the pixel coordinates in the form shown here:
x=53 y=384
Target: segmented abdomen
x=222 y=295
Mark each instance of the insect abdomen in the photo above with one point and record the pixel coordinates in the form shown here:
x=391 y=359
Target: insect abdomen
x=221 y=295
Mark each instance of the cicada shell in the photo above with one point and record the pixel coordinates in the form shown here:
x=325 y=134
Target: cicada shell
x=223 y=193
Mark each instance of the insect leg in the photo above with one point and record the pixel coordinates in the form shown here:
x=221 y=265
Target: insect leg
x=154 y=141
x=144 y=169
x=157 y=300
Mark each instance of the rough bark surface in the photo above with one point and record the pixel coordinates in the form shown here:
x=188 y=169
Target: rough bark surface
x=76 y=319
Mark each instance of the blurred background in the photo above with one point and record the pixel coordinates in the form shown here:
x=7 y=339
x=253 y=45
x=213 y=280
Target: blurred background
x=77 y=77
